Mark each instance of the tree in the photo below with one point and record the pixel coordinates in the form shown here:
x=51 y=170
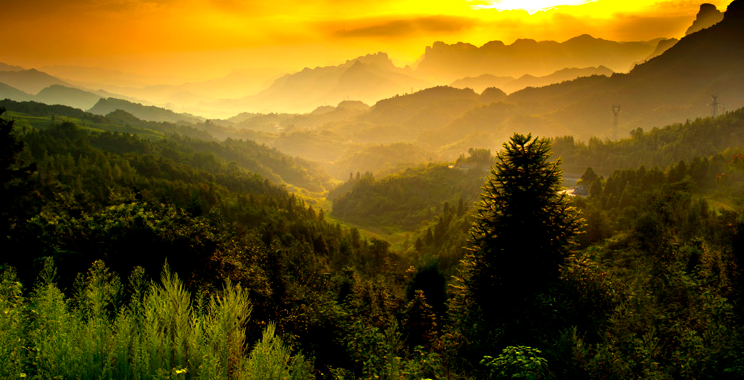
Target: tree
x=586 y=182
x=13 y=179
x=523 y=232
x=596 y=189
x=589 y=176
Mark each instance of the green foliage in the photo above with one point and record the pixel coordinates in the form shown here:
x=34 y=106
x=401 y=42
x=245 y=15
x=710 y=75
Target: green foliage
x=587 y=295
x=160 y=333
x=270 y=359
x=660 y=147
x=517 y=362
x=654 y=292
x=13 y=321
x=420 y=322
x=407 y=199
x=666 y=274
x=136 y=203
x=267 y=162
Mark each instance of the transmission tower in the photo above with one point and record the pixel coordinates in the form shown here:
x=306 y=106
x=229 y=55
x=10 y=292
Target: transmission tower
x=615 y=112
x=715 y=105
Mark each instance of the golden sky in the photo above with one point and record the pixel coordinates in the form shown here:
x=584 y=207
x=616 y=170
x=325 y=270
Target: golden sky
x=196 y=39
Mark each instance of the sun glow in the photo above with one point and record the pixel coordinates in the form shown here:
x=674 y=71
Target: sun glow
x=196 y=39
x=531 y=6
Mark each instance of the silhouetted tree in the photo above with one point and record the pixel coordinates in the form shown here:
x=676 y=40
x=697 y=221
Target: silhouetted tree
x=522 y=233
x=13 y=179
x=524 y=226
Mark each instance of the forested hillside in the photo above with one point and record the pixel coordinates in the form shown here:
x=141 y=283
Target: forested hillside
x=414 y=197
x=134 y=257
x=407 y=199
x=662 y=147
x=652 y=288
x=279 y=168
x=130 y=205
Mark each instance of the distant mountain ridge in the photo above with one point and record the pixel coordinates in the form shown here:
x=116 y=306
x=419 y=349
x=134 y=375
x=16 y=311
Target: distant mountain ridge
x=30 y=81
x=509 y=84
x=54 y=94
x=35 y=85
x=373 y=77
x=367 y=78
x=9 y=92
x=7 y=67
x=526 y=56
x=149 y=113
x=674 y=86
x=73 y=97
x=670 y=88
x=19 y=84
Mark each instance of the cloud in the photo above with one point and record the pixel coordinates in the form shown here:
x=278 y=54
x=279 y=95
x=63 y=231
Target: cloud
x=408 y=27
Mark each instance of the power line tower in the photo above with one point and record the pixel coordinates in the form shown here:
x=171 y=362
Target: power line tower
x=715 y=105
x=615 y=112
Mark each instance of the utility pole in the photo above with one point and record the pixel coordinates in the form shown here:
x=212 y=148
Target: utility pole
x=615 y=112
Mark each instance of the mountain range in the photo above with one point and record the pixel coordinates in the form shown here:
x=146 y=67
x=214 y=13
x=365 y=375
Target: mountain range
x=510 y=84
x=526 y=56
x=524 y=63
x=20 y=84
x=671 y=81
x=367 y=79
x=672 y=87
x=30 y=81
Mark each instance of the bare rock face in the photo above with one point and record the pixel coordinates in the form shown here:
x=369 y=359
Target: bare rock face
x=735 y=14
x=708 y=16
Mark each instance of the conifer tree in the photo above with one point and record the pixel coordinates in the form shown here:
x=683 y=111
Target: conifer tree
x=523 y=232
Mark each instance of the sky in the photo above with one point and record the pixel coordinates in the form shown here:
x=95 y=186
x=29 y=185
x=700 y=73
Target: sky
x=189 y=40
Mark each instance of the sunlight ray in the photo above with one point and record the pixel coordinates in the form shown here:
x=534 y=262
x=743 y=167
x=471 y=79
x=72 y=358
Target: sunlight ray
x=531 y=6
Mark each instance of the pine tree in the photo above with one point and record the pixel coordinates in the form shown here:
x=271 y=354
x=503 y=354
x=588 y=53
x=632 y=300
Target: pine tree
x=523 y=232
x=429 y=238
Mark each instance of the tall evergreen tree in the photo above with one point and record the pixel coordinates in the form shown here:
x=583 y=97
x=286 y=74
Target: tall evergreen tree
x=523 y=232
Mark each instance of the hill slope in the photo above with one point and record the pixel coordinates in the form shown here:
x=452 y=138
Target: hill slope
x=73 y=97
x=30 y=81
x=150 y=113
x=9 y=92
